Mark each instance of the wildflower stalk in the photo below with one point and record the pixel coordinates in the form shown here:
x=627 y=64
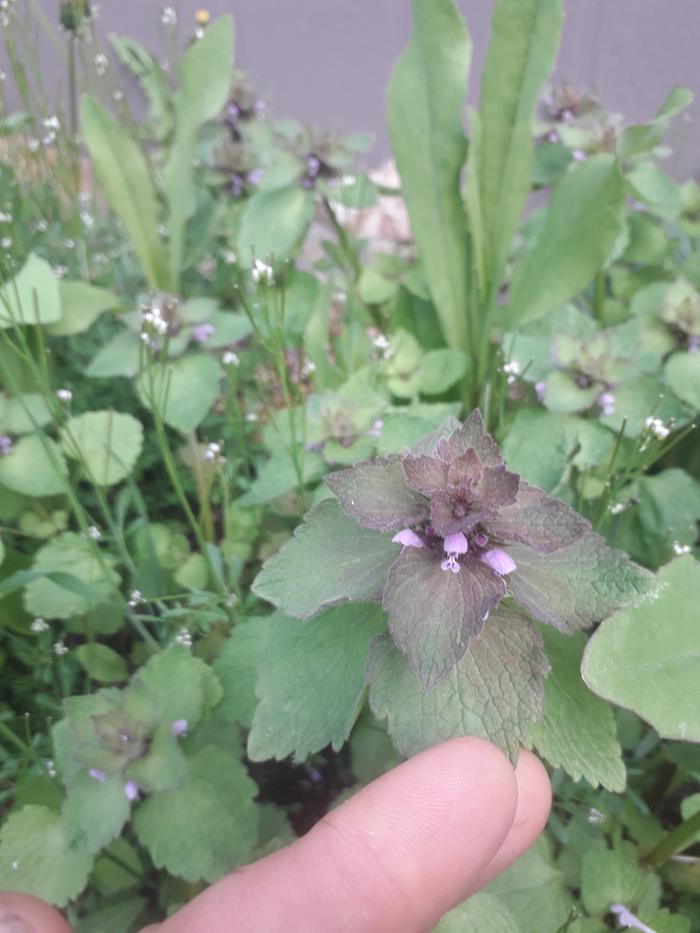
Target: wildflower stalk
x=9 y=735
x=205 y=514
x=675 y=841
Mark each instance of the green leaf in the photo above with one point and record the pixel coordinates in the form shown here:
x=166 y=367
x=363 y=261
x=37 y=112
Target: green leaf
x=660 y=193
x=576 y=585
x=609 y=877
x=35 y=857
x=375 y=494
x=153 y=80
x=206 y=828
x=236 y=666
x=350 y=563
x=577 y=729
x=107 y=444
x=81 y=305
x=34 y=467
x=32 y=296
x=636 y=400
x=163 y=767
x=583 y=218
x=94 y=812
x=205 y=77
x=124 y=176
x=183 y=391
x=481 y=913
x=646 y=659
x=496 y=691
x=641 y=139
x=273 y=223
x=520 y=56
x=119 y=917
x=278 y=476
x=533 y=890
x=662 y=921
x=23 y=413
x=180 y=684
x=311 y=683
x=682 y=373
x=119 y=356
x=425 y=100
x=73 y=555
x=102 y=663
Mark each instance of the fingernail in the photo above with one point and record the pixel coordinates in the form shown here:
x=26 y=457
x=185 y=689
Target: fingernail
x=13 y=923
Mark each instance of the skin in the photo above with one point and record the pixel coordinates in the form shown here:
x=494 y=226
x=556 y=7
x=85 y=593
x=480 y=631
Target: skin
x=392 y=859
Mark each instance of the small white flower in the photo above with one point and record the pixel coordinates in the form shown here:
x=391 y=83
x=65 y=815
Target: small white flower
x=512 y=367
x=262 y=272
x=229 y=358
x=59 y=648
x=87 y=218
x=33 y=145
x=39 y=625
x=168 y=16
x=135 y=599
x=42 y=226
x=6 y=242
x=101 y=63
x=59 y=271
x=680 y=549
x=52 y=123
x=595 y=817
x=64 y=395
x=94 y=533
x=657 y=427
x=5 y=218
x=229 y=257
x=183 y=637
x=308 y=368
x=381 y=342
x=616 y=507
x=50 y=768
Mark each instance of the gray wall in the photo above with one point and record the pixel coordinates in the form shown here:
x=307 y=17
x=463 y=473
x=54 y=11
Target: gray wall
x=327 y=61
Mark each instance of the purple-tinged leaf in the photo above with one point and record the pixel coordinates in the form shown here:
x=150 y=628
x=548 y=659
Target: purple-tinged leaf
x=433 y=613
x=498 y=487
x=375 y=494
x=495 y=691
x=425 y=475
x=329 y=560
x=471 y=435
x=536 y=519
x=450 y=513
x=576 y=585
x=427 y=444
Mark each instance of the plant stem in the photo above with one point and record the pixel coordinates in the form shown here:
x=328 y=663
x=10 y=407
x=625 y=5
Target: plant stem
x=675 y=841
x=7 y=733
x=600 y=288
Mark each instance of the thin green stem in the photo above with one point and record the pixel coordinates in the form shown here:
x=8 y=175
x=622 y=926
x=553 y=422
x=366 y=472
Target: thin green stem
x=675 y=841
x=8 y=734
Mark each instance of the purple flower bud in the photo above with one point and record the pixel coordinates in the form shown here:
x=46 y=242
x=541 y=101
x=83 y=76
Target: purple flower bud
x=255 y=176
x=407 y=538
x=499 y=561
x=313 y=165
x=233 y=112
x=5 y=444
x=480 y=540
x=131 y=790
x=97 y=774
x=456 y=544
x=178 y=727
x=606 y=400
x=553 y=137
x=202 y=332
x=579 y=155
x=540 y=390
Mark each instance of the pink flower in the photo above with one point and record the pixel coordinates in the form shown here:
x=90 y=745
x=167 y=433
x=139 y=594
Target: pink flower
x=407 y=538
x=131 y=790
x=454 y=545
x=97 y=774
x=499 y=561
x=178 y=727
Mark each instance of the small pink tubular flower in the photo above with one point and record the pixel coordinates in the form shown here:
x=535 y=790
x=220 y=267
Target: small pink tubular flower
x=407 y=538
x=178 y=727
x=131 y=790
x=97 y=774
x=499 y=561
x=454 y=545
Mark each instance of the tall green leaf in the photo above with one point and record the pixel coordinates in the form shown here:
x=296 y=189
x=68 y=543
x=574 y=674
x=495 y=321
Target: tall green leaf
x=205 y=79
x=584 y=217
x=524 y=40
x=124 y=176
x=425 y=98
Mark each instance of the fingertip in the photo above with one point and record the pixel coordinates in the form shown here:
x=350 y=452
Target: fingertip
x=22 y=913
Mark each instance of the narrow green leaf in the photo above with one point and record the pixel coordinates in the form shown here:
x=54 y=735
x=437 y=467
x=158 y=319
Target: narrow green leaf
x=425 y=100
x=583 y=218
x=577 y=729
x=124 y=176
x=520 y=56
x=646 y=659
x=311 y=681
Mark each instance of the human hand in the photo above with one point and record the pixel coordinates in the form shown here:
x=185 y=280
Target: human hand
x=392 y=859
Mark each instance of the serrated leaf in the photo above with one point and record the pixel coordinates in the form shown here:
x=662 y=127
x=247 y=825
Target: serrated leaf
x=124 y=176
x=236 y=666
x=425 y=100
x=119 y=917
x=584 y=216
x=183 y=391
x=524 y=40
x=434 y=614
x=176 y=680
x=646 y=659
x=32 y=296
x=375 y=494
x=350 y=563
x=496 y=691
x=576 y=585
x=74 y=556
x=107 y=444
x=534 y=891
x=94 y=812
x=577 y=729
x=481 y=913
x=311 y=684
x=35 y=857
x=164 y=766
x=682 y=373
x=34 y=467
x=609 y=877
x=278 y=476
x=207 y=827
